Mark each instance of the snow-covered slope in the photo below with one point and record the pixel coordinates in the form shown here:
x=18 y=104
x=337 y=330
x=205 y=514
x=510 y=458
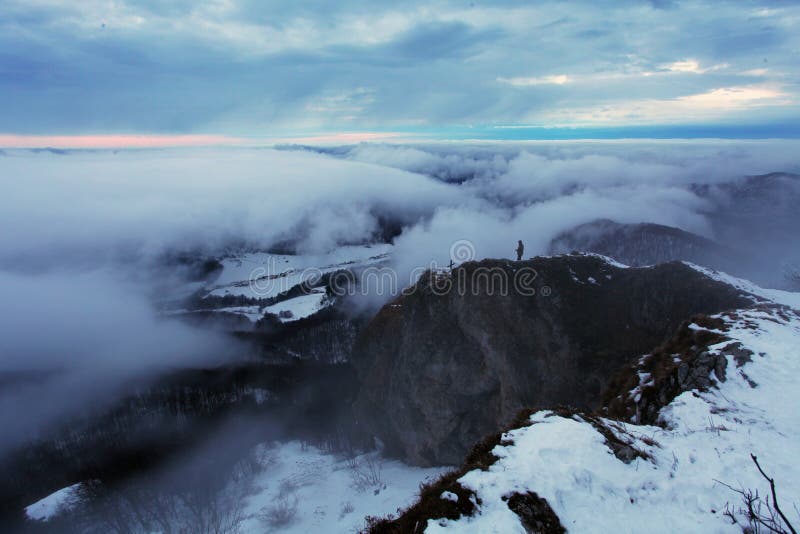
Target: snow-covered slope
x=256 y=280
x=263 y=275
x=787 y=298
x=55 y=503
x=685 y=477
x=299 y=307
x=317 y=492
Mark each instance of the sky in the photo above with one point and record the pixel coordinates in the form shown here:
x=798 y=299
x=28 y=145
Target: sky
x=152 y=73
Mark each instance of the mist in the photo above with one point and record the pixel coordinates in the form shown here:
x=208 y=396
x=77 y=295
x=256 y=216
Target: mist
x=90 y=207
x=72 y=343
x=681 y=161
x=126 y=210
x=87 y=258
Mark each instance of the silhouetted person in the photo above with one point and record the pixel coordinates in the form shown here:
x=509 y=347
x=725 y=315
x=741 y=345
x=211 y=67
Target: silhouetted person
x=520 y=250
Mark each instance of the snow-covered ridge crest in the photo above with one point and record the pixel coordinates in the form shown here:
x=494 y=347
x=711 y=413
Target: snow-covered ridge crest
x=786 y=298
x=607 y=259
x=684 y=474
x=680 y=483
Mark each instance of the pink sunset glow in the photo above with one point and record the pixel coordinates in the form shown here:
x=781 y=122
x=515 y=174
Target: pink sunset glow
x=192 y=140
x=114 y=141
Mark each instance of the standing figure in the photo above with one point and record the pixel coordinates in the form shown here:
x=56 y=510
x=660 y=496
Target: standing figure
x=520 y=250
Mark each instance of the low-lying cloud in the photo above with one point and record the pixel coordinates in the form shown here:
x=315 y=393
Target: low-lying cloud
x=86 y=233
x=96 y=205
x=73 y=342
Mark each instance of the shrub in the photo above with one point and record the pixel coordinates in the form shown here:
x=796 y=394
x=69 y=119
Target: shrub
x=367 y=473
x=282 y=513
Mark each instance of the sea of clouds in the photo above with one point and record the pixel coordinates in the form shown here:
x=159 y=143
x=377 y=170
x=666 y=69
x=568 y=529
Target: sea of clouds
x=84 y=232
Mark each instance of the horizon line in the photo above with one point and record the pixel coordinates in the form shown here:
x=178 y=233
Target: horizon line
x=467 y=134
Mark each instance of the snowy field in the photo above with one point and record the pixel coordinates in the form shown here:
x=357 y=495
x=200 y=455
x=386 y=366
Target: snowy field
x=263 y=275
x=299 y=307
x=298 y=489
x=320 y=492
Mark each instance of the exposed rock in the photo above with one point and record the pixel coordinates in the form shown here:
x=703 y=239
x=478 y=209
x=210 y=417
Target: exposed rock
x=740 y=355
x=617 y=439
x=440 y=368
x=683 y=363
x=535 y=514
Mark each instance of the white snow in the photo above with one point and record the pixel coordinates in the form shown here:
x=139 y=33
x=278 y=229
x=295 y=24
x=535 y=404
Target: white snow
x=449 y=496
x=608 y=260
x=264 y=275
x=787 y=298
x=53 y=504
x=707 y=444
x=332 y=493
x=300 y=307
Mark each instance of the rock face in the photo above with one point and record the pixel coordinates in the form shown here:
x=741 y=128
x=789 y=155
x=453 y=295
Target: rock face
x=683 y=363
x=440 y=369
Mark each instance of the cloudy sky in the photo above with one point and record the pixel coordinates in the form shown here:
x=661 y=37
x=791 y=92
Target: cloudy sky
x=226 y=70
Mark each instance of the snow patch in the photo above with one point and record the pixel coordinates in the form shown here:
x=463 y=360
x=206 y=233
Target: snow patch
x=449 y=496
x=299 y=307
x=608 y=260
x=57 y=502
x=264 y=275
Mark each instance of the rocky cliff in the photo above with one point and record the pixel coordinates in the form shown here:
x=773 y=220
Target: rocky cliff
x=459 y=354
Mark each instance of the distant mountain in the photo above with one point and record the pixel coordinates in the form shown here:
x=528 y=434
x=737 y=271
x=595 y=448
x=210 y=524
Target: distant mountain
x=642 y=244
x=754 y=221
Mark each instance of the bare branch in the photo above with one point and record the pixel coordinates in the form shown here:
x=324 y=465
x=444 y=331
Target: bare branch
x=774 y=494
